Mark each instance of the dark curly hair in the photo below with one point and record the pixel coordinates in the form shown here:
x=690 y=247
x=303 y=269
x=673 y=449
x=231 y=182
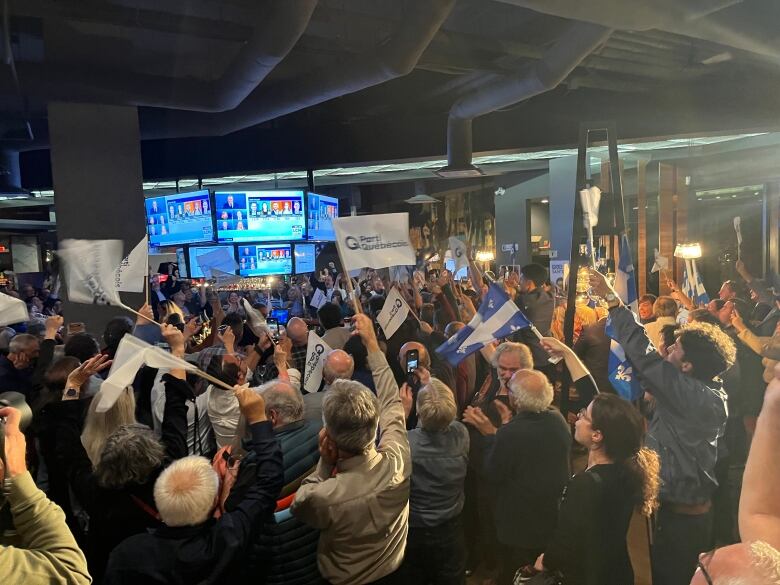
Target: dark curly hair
x=708 y=348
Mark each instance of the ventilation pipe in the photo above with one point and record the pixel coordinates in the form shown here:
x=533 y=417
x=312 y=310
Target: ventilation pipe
x=395 y=57
x=10 y=175
x=555 y=65
x=277 y=31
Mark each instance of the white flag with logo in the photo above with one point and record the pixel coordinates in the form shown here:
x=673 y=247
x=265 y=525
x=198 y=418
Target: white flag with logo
x=318 y=298
x=393 y=313
x=220 y=259
x=12 y=310
x=374 y=241
x=90 y=270
x=315 y=359
x=458 y=249
x=131 y=272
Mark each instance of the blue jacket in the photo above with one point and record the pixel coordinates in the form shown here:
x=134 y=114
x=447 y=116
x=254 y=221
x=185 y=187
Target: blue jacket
x=688 y=421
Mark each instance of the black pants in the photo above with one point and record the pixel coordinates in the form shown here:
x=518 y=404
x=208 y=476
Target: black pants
x=679 y=540
x=512 y=558
x=435 y=555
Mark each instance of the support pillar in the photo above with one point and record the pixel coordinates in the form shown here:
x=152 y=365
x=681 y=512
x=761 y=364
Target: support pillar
x=563 y=189
x=96 y=167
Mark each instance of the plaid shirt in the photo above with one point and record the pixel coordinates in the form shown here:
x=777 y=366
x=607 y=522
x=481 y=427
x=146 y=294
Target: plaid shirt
x=299 y=357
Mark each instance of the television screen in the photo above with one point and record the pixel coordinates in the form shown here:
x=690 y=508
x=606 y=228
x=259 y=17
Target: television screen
x=181 y=263
x=321 y=212
x=195 y=251
x=181 y=218
x=259 y=216
x=264 y=260
x=305 y=258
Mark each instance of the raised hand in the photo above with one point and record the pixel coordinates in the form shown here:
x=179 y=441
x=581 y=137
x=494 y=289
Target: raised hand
x=85 y=371
x=174 y=338
x=329 y=452
x=476 y=418
x=251 y=404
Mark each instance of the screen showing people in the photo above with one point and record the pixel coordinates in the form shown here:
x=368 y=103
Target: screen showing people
x=195 y=270
x=259 y=216
x=321 y=212
x=182 y=218
x=264 y=260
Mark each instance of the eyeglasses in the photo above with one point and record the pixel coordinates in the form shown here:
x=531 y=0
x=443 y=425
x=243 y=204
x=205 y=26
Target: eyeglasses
x=583 y=413
x=703 y=563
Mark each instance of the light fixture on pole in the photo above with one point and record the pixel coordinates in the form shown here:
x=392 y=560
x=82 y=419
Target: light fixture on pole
x=688 y=251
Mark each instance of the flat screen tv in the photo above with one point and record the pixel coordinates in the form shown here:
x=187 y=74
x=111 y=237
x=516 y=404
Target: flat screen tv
x=259 y=216
x=264 y=259
x=181 y=263
x=181 y=218
x=321 y=210
x=193 y=267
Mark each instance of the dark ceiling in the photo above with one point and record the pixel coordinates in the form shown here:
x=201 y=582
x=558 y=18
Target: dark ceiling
x=240 y=85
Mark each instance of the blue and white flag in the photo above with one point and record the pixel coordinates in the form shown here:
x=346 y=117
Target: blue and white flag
x=620 y=370
x=692 y=285
x=625 y=277
x=497 y=317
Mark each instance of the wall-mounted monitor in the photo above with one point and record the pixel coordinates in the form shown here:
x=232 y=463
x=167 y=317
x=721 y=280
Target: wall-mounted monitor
x=259 y=216
x=193 y=267
x=181 y=263
x=321 y=211
x=181 y=218
x=264 y=259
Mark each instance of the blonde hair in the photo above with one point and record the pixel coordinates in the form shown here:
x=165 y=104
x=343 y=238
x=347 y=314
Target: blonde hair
x=98 y=426
x=186 y=491
x=436 y=406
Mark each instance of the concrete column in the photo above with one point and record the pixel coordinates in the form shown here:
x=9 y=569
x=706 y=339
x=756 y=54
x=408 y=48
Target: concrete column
x=96 y=167
x=513 y=220
x=563 y=184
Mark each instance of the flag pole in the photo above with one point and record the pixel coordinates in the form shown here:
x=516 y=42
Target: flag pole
x=126 y=308
x=350 y=288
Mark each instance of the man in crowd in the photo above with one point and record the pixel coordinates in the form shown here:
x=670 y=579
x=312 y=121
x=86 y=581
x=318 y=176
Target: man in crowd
x=645 y=307
x=359 y=495
x=298 y=332
x=440 y=370
x=665 y=313
x=338 y=365
x=685 y=429
x=191 y=547
x=16 y=369
x=527 y=461
x=335 y=334
x=536 y=303
x=43 y=550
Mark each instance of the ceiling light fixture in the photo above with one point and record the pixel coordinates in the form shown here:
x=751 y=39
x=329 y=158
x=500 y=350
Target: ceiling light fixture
x=421 y=198
x=688 y=251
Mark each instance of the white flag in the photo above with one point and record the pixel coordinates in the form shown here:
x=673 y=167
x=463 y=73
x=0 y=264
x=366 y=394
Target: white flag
x=375 y=241
x=255 y=319
x=315 y=359
x=131 y=355
x=220 y=259
x=224 y=278
x=660 y=263
x=131 y=272
x=318 y=299
x=590 y=200
x=12 y=310
x=458 y=249
x=90 y=270
x=393 y=313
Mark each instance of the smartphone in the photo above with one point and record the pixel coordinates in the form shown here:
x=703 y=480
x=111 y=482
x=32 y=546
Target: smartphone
x=273 y=325
x=412 y=363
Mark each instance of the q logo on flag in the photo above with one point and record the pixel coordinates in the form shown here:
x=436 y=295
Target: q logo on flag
x=319 y=349
x=352 y=243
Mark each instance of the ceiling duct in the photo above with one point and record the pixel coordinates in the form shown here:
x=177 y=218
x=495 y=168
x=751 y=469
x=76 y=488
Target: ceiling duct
x=394 y=57
x=276 y=32
x=10 y=176
x=555 y=64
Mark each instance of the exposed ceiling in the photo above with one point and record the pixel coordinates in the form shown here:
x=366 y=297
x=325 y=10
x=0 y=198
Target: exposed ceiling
x=246 y=85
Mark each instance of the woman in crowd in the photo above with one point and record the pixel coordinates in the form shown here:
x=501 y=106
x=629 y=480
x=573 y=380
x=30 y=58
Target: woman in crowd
x=234 y=305
x=295 y=302
x=98 y=426
x=589 y=543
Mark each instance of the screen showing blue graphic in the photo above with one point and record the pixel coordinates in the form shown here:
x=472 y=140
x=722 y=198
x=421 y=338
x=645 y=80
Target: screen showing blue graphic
x=195 y=251
x=264 y=260
x=181 y=218
x=259 y=216
x=321 y=211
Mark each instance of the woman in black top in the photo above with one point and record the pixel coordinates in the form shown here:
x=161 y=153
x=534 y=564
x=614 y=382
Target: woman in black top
x=589 y=543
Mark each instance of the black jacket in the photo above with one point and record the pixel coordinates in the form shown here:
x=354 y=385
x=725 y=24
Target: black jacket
x=204 y=553
x=527 y=461
x=115 y=514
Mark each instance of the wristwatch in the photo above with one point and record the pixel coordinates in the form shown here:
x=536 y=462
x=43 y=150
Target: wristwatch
x=71 y=392
x=612 y=300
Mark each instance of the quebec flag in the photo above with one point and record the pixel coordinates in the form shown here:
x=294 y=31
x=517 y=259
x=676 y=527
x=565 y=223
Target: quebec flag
x=692 y=285
x=497 y=317
x=620 y=370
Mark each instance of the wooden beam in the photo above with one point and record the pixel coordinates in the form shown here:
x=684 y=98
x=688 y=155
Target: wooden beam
x=666 y=188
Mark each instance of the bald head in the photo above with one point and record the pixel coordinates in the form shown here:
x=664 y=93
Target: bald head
x=425 y=359
x=338 y=365
x=530 y=391
x=297 y=330
x=453 y=327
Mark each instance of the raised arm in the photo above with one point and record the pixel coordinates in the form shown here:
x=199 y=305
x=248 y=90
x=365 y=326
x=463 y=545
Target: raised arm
x=759 y=506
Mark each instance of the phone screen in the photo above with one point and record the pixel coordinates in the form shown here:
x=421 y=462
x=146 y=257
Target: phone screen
x=412 y=360
x=273 y=325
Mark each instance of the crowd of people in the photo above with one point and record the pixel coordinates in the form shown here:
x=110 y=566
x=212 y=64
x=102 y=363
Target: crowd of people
x=521 y=463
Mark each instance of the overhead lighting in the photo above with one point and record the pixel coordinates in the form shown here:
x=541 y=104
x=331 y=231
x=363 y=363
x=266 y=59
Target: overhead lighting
x=688 y=251
x=718 y=58
x=422 y=198
x=485 y=256
x=545 y=201
x=464 y=172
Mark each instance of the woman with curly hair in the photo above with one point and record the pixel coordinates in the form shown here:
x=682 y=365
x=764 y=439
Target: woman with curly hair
x=589 y=543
